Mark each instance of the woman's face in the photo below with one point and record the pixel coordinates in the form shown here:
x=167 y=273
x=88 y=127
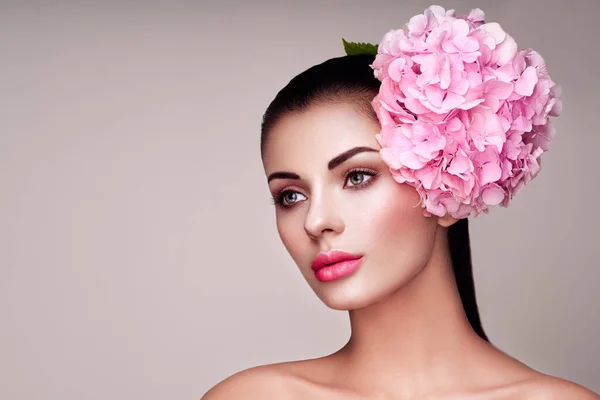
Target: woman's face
x=333 y=192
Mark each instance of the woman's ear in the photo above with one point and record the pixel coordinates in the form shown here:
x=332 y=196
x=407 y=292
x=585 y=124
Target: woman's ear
x=447 y=220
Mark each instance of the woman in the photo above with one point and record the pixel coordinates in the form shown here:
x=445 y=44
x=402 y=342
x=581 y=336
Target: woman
x=350 y=211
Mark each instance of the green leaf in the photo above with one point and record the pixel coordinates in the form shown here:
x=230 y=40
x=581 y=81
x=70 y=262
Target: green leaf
x=356 y=48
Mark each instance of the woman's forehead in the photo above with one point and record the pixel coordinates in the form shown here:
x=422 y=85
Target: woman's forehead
x=317 y=135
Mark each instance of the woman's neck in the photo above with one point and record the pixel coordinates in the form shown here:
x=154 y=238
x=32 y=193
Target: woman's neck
x=416 y=336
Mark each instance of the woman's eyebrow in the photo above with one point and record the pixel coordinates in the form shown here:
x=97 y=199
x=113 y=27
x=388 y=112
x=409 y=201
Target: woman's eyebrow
x=282 y=175
x=337 y=160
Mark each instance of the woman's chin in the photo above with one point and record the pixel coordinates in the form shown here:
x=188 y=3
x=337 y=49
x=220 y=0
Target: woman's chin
x=344 y=299
x=362 y=289
x=345 y=304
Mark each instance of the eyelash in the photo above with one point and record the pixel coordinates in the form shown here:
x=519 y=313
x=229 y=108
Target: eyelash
x=277 y=198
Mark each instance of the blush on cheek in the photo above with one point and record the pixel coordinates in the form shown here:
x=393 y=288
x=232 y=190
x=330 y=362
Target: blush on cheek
x=396 y=210
x=398 y=237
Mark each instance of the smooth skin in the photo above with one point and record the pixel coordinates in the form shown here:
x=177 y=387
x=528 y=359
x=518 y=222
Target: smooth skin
x=410 y=336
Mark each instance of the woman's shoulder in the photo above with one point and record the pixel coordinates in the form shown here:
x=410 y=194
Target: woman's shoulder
x=259 y=382
x=546 y=387
x=282 y=381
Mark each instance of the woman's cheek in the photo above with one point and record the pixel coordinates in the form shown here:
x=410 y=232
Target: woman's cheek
x=290 y=226
x=392 y=208
x=396 y=229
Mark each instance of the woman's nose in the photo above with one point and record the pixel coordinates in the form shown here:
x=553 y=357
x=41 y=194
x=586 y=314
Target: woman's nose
x=323 y=216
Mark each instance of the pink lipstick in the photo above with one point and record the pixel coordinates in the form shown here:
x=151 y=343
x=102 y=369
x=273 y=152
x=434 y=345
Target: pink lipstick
x=335 y=264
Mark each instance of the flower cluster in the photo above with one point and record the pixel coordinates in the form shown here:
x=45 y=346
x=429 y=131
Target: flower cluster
x=463 y=113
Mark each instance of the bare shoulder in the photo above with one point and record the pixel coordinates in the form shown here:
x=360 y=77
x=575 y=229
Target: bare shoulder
x=267 y=381
x=551 y=388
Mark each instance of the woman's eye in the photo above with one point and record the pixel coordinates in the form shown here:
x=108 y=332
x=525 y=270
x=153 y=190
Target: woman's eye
x=358 y=178
x=289 y=197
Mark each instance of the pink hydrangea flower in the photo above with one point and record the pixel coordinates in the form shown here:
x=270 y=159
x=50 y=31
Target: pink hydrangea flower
x=464 y=114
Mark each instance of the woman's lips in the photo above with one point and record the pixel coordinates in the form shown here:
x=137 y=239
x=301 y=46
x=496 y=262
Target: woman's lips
x=334 y=265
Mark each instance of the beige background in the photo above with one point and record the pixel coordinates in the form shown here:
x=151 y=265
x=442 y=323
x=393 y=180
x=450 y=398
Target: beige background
x=138 y=253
